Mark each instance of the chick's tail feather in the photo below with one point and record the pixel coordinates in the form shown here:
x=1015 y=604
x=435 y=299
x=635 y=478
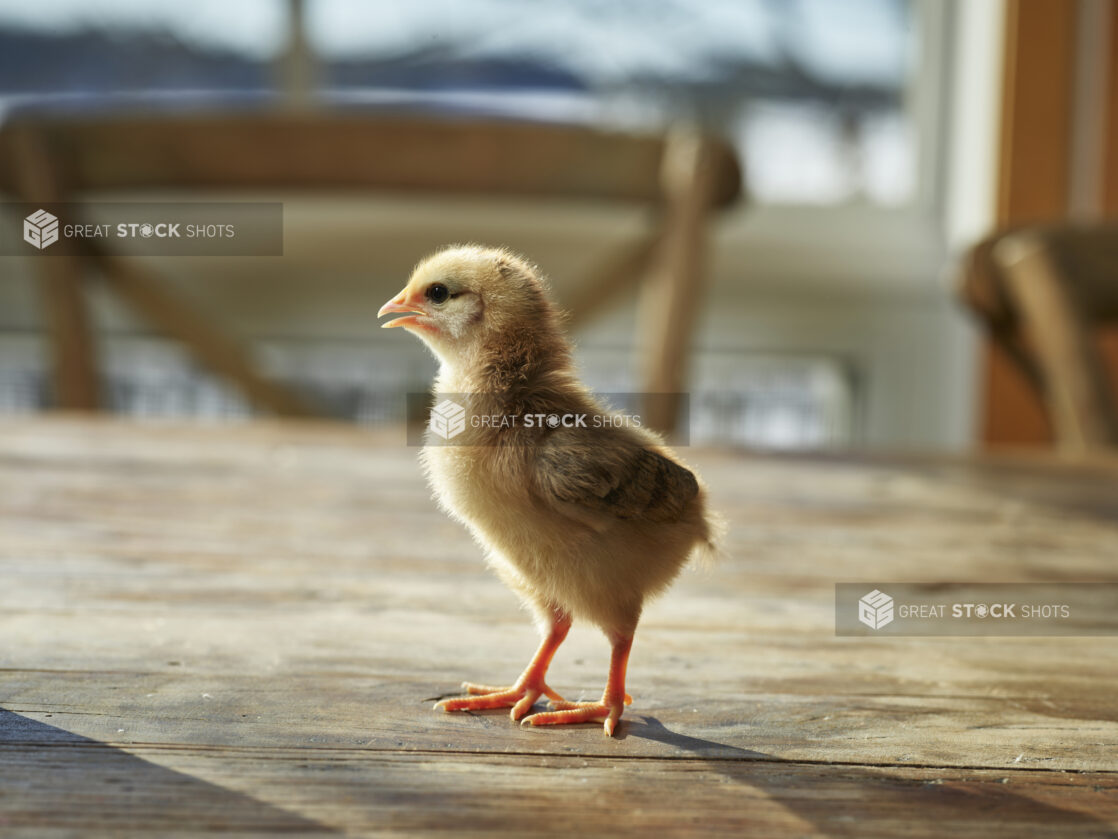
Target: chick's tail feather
x=711 y=549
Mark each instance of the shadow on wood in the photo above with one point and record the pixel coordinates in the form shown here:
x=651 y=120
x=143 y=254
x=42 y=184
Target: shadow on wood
x=870 y=801
x=54 y=781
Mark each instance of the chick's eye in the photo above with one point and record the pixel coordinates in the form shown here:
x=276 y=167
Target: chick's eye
x=438 y=293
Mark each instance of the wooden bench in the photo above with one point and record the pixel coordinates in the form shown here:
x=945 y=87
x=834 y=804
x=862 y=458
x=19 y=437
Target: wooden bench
x=681 y=176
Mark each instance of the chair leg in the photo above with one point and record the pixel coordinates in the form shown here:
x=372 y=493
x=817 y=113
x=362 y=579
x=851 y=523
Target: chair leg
x=619 y=273
x=75 y=386
x=73 y=357
x=674 y=289
x=215 y=350
x=1075 y=382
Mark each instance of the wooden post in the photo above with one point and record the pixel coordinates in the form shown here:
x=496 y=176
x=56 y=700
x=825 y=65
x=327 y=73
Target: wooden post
x=677 y=281
x=72 y=351
x=1110 y=134
x=297 y=70
x=1033 y=181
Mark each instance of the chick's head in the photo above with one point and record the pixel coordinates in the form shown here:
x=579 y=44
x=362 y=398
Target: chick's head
x=464 y=298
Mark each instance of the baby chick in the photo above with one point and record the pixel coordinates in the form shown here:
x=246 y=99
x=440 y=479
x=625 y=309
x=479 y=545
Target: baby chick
x=581 y=522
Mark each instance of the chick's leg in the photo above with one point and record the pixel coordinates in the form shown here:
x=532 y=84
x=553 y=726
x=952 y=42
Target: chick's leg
x=527 y=689
x=614 y=698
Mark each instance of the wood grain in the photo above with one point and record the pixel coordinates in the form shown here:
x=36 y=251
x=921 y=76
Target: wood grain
x=242 y=629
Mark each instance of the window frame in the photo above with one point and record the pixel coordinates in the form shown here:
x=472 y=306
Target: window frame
x=858 y=245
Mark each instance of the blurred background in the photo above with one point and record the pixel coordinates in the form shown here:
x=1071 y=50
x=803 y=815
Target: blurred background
x=878 y=140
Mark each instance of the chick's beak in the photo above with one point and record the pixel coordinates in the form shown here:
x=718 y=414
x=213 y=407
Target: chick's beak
x=401 y=303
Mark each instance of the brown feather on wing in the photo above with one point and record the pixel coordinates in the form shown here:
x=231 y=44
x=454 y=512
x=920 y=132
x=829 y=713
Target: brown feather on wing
x=618 y=477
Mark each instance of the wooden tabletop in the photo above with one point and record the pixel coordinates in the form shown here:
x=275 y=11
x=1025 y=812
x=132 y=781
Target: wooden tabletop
x=243 y=629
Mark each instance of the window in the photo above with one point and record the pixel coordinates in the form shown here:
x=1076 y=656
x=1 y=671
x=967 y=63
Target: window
x=831 y=312
x=833 y=127
x=71 y=52
x=820 y=96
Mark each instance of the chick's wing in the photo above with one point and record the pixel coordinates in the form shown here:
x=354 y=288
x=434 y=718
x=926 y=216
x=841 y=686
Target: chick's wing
x=611 y=476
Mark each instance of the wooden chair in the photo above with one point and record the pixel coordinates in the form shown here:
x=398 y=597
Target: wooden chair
x=1042 y=292
x=682 y=177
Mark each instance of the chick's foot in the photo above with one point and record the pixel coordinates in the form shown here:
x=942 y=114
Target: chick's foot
x=614 y=698
x=520 y=697
x=567 y=713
